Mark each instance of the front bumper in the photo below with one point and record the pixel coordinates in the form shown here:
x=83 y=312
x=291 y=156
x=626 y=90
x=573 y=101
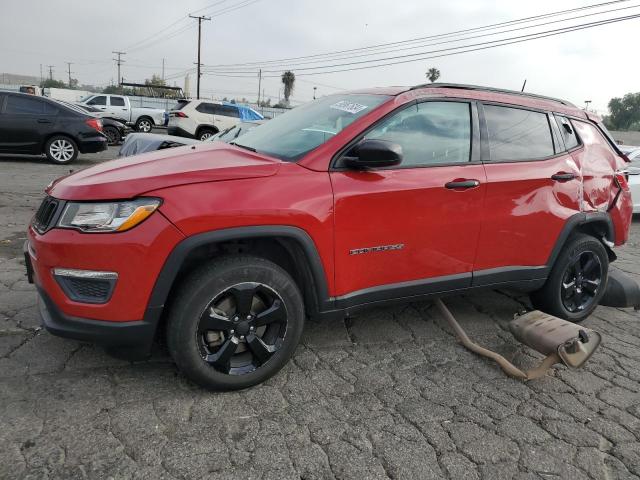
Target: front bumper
x=130 y=340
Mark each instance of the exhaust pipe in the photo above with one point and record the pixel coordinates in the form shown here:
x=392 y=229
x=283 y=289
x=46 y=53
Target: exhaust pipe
x=558 y=340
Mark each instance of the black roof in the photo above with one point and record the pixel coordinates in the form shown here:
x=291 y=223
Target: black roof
x=491 y=89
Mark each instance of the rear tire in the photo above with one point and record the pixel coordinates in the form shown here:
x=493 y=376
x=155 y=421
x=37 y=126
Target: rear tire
x=113 y=135
x=61 y=149
x=577 y=281
x=144 y=125
x=235 y=322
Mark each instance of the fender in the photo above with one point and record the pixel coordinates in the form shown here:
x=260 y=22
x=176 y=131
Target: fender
x=176 y=258
x=603 y=219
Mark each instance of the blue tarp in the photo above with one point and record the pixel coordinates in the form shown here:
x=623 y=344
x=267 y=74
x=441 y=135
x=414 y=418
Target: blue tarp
x=247 y=114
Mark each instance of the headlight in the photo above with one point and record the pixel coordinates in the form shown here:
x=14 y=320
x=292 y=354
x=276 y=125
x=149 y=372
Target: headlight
x=107 y=216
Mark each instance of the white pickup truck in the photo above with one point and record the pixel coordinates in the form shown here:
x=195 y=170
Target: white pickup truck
x=119 y=107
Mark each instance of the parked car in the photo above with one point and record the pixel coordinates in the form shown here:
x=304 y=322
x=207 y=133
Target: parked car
x=119 y=107
x=137 y=143
x=633 y=154
x=202 y=119
x=353 y=200
x=114 y=130
x=34 y=125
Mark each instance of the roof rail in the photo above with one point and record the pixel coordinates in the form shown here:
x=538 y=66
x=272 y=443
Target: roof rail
x=490 y=89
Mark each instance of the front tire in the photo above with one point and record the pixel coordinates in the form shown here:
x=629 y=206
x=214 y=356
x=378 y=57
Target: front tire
x=61 y=149
x=577 y=281
x=235 y=322
x=205 y=134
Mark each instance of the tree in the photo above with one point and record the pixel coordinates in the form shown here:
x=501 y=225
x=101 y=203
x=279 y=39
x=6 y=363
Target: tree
x=73 y=83
x=625 y=112
x=155 y=80
x=288 y=80
x=114 y=89
x=433 y=74
x=49 y=83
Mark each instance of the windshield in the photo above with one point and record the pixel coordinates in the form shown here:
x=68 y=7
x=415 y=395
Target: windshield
x=295 y=133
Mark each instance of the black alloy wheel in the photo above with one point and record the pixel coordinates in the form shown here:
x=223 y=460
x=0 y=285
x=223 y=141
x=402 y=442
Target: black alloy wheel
x=113 y=136
x=242 y=327
x=581 y=281
x=235 y=322
x=577 y=280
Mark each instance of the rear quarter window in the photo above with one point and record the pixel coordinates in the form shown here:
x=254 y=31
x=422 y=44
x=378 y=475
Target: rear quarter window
x=567 y=130
x=516 y=134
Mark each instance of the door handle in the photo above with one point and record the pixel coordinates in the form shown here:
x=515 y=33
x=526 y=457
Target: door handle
x=563 y=177
x=43 y=120
x=461 y=184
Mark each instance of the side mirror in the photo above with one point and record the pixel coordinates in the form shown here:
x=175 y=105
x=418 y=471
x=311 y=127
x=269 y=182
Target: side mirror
x=374 y=154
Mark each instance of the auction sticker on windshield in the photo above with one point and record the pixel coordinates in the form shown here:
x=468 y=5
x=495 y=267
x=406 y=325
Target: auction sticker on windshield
x=348 y=107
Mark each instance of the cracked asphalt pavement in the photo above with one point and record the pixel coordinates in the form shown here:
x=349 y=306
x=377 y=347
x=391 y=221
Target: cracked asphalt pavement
x=386 y=394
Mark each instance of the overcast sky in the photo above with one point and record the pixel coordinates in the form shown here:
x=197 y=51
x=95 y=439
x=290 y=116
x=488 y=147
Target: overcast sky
x=594 y=64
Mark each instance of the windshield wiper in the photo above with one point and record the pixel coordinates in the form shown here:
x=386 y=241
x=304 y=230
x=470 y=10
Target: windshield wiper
x=251 y=149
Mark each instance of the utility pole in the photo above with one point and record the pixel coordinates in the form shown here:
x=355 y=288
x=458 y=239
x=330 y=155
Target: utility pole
x=163 y=70
x=119 y=61
x=41 y=77
x=586 y=105
x=50 y=71
x=200 y=19
x=259 y=86
x=69 y=70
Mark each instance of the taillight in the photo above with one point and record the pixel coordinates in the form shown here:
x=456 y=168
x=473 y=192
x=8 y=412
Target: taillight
x=94 y=123
x=178 y=114
x=621 y=178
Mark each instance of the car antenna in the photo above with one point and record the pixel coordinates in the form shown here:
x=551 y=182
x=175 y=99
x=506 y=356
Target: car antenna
x=523 y=85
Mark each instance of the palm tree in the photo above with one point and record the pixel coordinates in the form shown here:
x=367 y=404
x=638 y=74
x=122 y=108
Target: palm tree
x=288 y=79
x=433 y=74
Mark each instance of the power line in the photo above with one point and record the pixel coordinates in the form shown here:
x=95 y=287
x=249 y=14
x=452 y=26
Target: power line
x=400 y=42
x=152 y=40
x=477 y=47
x=296 y=65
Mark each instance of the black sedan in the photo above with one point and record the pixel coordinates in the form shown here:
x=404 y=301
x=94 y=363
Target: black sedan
x=35 y=125
x=114 y=129
x=137 y=143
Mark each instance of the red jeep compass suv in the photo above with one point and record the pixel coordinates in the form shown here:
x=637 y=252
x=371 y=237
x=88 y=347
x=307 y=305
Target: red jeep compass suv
x=349 y=201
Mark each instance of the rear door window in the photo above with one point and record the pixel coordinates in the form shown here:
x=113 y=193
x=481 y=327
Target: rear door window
x=568 y=132
x=227 y=111
x=24 y=105
x=516 y=134
x=207 y=108
x=117 y=102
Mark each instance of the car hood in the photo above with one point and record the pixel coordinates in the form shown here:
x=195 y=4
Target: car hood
x=132 y=176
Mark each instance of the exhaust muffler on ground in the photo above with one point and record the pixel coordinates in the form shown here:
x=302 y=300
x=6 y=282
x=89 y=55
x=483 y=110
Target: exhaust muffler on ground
x=557 y=339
